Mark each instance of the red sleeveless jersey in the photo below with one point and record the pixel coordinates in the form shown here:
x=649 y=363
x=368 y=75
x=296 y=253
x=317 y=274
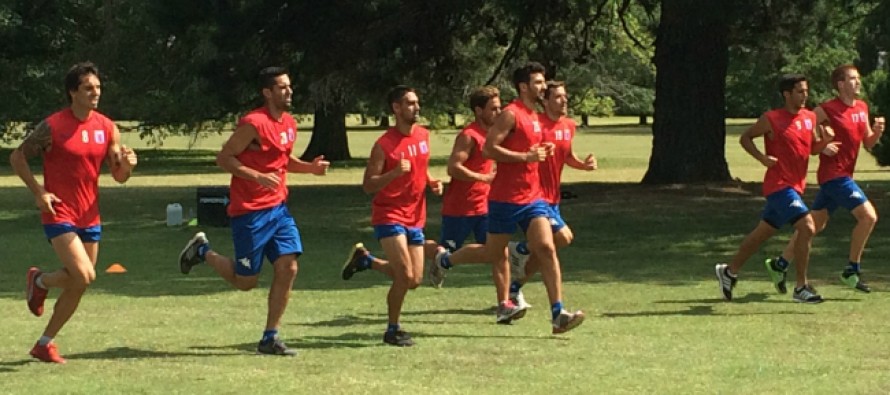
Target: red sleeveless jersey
x=275 y=140
x=560 y=133
x=469 y=198
x=850 y=124
x=402 y=201
x=792 y=138
x=71 y=166
x=518 y=182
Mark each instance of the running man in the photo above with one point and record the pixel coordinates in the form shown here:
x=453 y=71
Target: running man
x=558 y=129
x=848 y=117
x=465 y=203
x=259 y=156
x=516 y=199
x=791 y=135
x=73 y=143
x=397 y=174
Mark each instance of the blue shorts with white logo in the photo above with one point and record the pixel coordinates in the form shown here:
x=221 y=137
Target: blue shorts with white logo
x=90 y=234
x=784 y=207
x=271 y=232
x=839 y=192
x=414 y=235
x=504 y=217
x=556 y=221
x=455 y=230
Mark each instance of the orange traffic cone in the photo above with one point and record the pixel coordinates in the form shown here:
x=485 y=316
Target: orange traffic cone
x=116 y=268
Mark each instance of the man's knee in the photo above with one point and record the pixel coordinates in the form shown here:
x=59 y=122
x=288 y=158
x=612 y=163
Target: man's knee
x=245 y=283
x=286 y=268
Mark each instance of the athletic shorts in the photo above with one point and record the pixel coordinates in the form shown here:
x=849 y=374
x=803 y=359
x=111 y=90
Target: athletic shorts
x=90 y=234
x=784 y=207
x=556 y=221
x=505 y=217
x=839 y=192
x=414 y=235
x=270 y=232
x=455 y=230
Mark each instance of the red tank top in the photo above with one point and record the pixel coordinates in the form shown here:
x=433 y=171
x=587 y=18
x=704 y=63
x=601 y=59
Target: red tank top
x=468 y=198
x=71 y=166
x=850 y=124
x=792 y=138
x=518 y=182
x=402 y=201
x=560 y=133
x=276 y=140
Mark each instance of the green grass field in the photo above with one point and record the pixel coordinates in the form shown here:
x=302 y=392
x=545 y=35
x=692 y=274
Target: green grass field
x=641 y=267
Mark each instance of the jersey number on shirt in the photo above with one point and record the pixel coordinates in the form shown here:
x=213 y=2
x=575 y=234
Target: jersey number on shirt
x=98 y=136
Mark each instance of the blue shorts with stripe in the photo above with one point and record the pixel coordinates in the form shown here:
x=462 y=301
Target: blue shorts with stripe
x=268 y=233
x=784 y=207
x=839 y=192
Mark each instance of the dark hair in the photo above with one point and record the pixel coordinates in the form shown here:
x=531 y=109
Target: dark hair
x=396 y=94
x=268 y=75
x=523 y=74
x=787 y=82
x=75 y=73
x=553 y=85
x=840 y=73
x=480 y=96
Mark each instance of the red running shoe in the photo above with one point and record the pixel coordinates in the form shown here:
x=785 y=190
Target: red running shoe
x=34 y=294
x=47 y=353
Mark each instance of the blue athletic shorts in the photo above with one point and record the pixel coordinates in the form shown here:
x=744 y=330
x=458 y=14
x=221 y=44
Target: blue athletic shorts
x=556 y=221
x=455 y=230
x=91 y=234
x=839 y=192
x=271 y=232
x=504 y=217
x=784 y=207
x=414 y=235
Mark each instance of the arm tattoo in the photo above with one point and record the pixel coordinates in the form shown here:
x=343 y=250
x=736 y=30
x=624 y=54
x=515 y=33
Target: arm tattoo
x=38 y=141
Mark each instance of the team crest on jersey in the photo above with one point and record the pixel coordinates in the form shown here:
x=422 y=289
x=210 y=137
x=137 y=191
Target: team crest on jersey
x=808 y=123
x=291 y=135
x=424 y=148
x=99 y=136
x=536 y=127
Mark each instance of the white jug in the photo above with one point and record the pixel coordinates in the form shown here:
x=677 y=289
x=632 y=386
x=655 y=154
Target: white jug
x=174 y=214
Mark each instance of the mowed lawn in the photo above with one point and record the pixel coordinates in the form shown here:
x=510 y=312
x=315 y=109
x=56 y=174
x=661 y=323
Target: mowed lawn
x=641 y=268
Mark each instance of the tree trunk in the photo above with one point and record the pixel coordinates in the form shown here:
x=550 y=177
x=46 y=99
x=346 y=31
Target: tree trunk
x=328 y=134
x=585 y=120
x=691 y=57
x=644 y=120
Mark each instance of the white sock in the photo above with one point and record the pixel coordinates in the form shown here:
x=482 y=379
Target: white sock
x=44 y=340
x=39 y=282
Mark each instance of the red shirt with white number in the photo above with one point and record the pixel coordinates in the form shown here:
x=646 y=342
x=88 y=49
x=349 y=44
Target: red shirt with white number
x=850 y=124
x=402 y=201
x=560 y=133
x=270 y=153
x=789 y=142
x=71 y=166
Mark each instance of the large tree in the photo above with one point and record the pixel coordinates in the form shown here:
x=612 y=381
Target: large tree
x=691 y=56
